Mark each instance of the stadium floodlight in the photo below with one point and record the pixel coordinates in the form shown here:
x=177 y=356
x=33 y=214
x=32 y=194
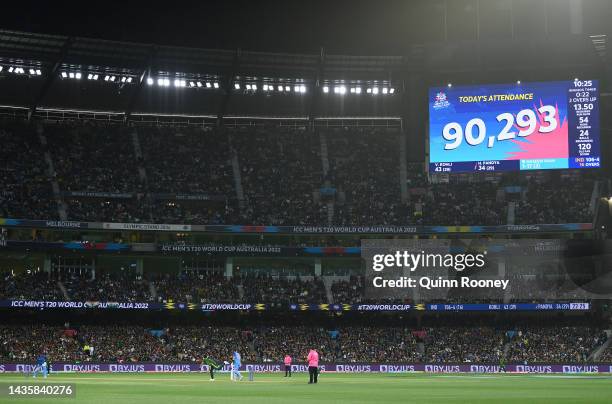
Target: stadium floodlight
x=237 y=86
x=375 y=90
x=1 y=67
x=254 y=87
x=150 y=81
x=78 y=75
x=296 y=89
x=385 y=90
x=38 y=72
x=192 y=84
x=71 y=75
x=11 y=68
x=265 y=87
x=123 y=79
x=280 y=88
x=199 y=83
x=112 y=78
x=336 y=90
x=391 y=90
x=357 y=90
x=90 y=76
x=342 y=90
x=248 y=86
x=353 y=90
x=208 y=84
x=302 y=89
x=287 y=88
x=216 y=85
x=129 y=79
x=325 y=89
x=32 y=72
x=19 y=70
x=369 y=91
x=449 y=85
x=518 y=82
x=107 y=78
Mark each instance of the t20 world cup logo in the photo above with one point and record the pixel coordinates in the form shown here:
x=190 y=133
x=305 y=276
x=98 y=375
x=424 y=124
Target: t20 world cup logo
x=440 y=102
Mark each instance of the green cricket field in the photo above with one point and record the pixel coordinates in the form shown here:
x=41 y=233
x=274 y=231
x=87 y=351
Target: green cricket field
x=183 y=388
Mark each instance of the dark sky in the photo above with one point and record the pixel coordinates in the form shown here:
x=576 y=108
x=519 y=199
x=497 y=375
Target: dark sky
x=366 y=27
x=370 y=26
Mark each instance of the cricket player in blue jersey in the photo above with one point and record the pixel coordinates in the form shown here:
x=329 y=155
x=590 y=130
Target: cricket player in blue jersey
x=236 y=367
x=41 y=366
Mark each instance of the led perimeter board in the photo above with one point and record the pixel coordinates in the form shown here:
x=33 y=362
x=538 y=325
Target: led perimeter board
x=507 y=127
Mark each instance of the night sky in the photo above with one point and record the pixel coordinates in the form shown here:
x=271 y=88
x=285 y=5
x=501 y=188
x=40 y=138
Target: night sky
x=373 y=27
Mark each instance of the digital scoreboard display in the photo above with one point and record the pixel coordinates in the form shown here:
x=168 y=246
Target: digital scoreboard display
x=521 y=126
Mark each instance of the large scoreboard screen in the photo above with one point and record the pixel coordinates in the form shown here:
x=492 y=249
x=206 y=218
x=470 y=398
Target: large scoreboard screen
x=521 y=126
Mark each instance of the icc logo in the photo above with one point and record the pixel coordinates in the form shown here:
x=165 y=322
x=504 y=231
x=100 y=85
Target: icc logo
x=441 y=102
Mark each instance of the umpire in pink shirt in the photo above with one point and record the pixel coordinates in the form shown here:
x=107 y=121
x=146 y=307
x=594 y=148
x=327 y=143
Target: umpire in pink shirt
x=313 y=365
x=287 y=362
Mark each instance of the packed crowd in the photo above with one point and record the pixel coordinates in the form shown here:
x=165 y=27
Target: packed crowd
x=33 y=285
x=568 y=344
x=190 y=344
x=282 y=291
x=281 y=176
x=111 y=173
x=364 y=168
x=458 y=345
x=196 y=288
x=124 y=286
x=255 y=286
x=25 y=190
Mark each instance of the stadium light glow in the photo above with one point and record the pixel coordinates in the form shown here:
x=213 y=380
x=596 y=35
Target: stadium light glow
x=391 y=90
x=71 y=75
x=192 y=84
x=358 y=90
x=369 y=91
x=248 y=86
x=353 y=90
x=287 y=88
x=216 y=85
x=32 y=72
x=375 y=90
x=78 y=75
x=254 y=87
x=265 y=87
x=199 y=83
x=208 y=84
x=129 y=79
x=325 y=89
x=280 y=88
x=385 y=90
x=1 y=67
x=64 y=74
x=10 y=70
x=303 y=89
x=150 y=81
x=236 y=86
x=518 y=82
x=296 y=89
x=449 y=85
